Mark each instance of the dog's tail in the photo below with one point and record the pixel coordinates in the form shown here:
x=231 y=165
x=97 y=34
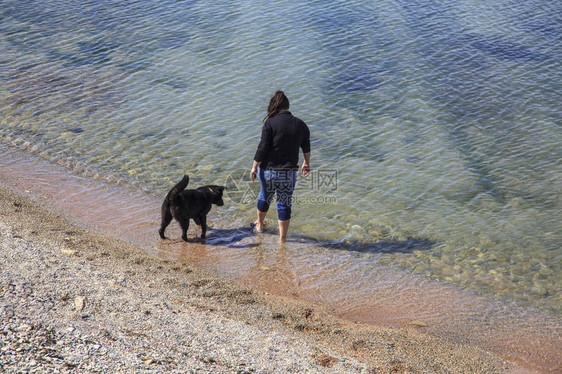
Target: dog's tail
x=177 y=188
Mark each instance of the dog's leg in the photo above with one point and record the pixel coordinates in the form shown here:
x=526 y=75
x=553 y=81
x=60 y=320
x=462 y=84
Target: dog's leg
x=166 y=219
x=184 y=223
x=203 y=226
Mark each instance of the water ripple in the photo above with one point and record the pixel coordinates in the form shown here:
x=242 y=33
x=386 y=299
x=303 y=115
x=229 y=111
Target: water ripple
x=441 y=119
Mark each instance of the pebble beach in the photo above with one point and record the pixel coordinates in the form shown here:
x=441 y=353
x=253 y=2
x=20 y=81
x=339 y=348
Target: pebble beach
x=426 y=239
x=74 y=300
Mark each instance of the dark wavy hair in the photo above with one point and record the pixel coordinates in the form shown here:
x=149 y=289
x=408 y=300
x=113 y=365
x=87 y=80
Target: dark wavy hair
x=278 y=102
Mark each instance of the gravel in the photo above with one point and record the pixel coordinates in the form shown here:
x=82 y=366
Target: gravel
x=76 y=301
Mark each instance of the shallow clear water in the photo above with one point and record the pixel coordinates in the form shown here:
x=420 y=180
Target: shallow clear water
x=436 y=127
x=345 y=283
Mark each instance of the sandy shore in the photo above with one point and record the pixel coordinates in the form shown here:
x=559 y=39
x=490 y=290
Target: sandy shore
x=77 y=301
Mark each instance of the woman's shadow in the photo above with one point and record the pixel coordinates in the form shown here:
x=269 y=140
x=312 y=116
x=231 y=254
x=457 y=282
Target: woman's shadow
x=384 y=246
x=241 y=237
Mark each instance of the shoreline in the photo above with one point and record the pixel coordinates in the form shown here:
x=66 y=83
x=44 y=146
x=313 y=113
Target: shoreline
x=78 y=300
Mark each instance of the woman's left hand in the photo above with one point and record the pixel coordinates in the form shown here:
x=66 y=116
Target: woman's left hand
x=305 y=169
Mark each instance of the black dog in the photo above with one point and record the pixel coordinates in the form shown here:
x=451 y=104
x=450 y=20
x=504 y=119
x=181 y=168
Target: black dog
x=183 y=204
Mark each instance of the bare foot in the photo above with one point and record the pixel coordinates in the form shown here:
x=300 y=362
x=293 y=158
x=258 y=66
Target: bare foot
x=257 y=227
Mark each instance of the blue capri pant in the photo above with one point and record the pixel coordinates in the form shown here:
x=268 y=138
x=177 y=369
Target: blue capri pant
x=280 y=183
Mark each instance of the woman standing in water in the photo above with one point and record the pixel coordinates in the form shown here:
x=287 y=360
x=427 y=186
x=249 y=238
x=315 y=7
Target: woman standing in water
x=276 y=160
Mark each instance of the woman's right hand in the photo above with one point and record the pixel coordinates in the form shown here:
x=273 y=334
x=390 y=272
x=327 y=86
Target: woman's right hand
x=254 y=171
x=253 y=174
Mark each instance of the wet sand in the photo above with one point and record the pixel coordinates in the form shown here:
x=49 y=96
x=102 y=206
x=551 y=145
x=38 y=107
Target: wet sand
x=115 y=277
x=136 y=305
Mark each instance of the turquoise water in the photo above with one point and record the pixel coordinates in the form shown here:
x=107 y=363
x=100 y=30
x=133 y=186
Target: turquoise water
x=436 y=126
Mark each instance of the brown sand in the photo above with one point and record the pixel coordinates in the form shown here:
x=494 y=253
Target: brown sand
x=324 y=343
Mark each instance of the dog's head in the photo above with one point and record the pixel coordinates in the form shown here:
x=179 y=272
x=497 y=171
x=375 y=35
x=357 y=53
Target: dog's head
x=216 y=193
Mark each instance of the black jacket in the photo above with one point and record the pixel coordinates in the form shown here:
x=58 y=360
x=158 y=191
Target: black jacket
x=281 y=138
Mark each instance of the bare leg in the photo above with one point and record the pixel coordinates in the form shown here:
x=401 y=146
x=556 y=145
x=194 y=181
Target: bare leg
x=259 y=222
x=283 y=228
